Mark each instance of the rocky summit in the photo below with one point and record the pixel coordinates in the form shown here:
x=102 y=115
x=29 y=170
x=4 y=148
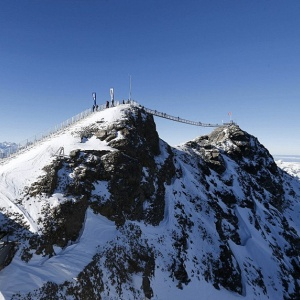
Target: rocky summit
x=107 y=210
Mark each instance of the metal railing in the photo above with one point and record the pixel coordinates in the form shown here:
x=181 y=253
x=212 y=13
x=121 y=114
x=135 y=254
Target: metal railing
x=37 y=138
x=178 y=119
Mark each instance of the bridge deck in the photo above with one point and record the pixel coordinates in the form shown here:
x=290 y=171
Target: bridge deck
x=178 y=119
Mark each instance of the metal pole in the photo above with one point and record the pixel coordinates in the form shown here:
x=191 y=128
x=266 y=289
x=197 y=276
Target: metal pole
x=129 y=87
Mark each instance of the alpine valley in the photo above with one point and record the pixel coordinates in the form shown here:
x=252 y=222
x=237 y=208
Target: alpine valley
x=105 y=209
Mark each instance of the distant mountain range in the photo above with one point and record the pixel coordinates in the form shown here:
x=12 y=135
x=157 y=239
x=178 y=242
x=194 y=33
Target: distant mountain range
x=4 y=146
x=7 y=147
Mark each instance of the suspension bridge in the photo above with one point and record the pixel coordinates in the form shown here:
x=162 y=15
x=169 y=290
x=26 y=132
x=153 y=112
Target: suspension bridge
x=178 y=119
x=28 y=143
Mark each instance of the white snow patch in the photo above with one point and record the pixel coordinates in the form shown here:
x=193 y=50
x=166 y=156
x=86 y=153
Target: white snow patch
x=22 y=276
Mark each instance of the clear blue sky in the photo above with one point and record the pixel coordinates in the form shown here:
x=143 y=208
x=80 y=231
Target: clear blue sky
x=195 y=59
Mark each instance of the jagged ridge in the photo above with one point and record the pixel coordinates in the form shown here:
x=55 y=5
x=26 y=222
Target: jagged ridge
x=214 y=214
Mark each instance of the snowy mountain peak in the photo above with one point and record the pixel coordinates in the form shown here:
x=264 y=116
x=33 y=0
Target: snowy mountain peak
x=119 y=214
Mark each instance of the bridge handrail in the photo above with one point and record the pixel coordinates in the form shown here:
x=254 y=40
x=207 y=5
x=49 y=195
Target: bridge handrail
x=178 y=119
x=30 y=142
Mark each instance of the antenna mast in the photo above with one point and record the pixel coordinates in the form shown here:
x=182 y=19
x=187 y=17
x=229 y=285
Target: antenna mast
x=130 y=87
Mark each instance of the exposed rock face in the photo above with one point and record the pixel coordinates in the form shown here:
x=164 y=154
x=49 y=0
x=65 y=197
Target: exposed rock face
x=135 y=182
x=217 y=208
x=248 y=153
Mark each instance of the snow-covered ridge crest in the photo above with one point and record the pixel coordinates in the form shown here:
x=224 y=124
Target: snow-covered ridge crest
x=119 y=214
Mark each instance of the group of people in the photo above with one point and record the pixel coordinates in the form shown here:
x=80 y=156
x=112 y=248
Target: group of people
x=96 y=107
x=112 y=103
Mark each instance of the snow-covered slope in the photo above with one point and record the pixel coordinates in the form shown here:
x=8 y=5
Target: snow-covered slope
x=107 y=210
